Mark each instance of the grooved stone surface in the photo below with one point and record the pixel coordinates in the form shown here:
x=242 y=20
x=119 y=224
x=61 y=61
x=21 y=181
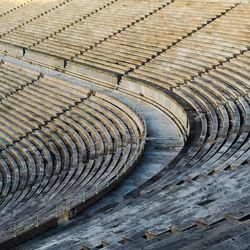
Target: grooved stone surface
x=163 y=143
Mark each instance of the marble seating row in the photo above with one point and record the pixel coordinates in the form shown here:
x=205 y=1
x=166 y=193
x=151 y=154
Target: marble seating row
x=78 y=142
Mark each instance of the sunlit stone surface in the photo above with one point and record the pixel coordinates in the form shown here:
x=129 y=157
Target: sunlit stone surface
x=124 y=124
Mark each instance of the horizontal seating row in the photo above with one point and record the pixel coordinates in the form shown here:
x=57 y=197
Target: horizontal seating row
x=165 y=215
x=206 y=187
x=82 y=150
x=214 y=236
x=14 y=79
x=138 y=44
x=199 y=52
x=80 y=36
x=7 y=6
x=36 y=31
x=27 y=12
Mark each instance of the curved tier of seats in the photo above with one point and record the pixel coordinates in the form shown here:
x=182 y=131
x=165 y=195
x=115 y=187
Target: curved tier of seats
x=62 y=144
x=203 y=200
x=207 y=188
x=200 y=52
x=141 y=42
x=60 y=139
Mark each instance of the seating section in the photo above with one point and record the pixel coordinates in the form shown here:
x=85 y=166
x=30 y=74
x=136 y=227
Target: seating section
x=64 y=146
x=60 y=18
x=223 y=39
x=14 y=78
x=80 y=36
x=204 y=199
x=7 y=6
x=32 y=10
x=57 y=140
x=143 y=41
x=57 y=38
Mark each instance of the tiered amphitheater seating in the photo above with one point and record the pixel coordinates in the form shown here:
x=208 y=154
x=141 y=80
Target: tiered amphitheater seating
x=204 y=200
x=129 y=24
x=60 y=139
x=63 y=28
x=31 y=10
x=7 y=6
x=215 y=43
x=12 y=79
x=60 y=18
x=80 y=36
x=137 y=45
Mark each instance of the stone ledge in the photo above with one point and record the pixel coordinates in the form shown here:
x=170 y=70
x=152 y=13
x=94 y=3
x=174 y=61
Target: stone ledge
x=95 y=73
x=11 y=48
x=43 y=57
